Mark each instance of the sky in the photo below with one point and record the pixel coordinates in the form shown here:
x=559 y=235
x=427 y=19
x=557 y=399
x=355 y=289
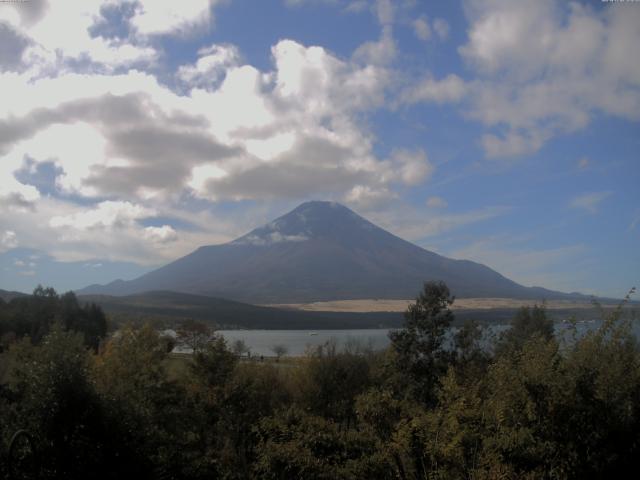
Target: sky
x=504 y=132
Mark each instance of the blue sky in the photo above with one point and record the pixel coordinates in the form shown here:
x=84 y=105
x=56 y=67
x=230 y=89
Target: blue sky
x=504 y=132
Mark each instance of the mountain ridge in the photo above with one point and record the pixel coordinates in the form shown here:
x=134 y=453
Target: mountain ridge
x=320 y=251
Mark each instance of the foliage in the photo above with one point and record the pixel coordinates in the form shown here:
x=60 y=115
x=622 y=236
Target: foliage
x=328 y=382
x=527 y=323
x=55 y=401
x=419 y=347
x=34 y=315
x=437 y=404
x=297 y=445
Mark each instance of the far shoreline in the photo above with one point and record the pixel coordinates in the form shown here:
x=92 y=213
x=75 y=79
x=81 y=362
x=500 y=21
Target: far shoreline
x=372 y=305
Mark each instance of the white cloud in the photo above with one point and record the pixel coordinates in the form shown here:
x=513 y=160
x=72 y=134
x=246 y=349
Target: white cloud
x=158 y=17
x=411 y=167
x=75 y=148
x=14 y=193
x=436 y=202
x=441 y=27
x=270 y=239
x=421 y=28
x=106 y=214
x=546 y=67
x=379 y=52
x=212 y=64
x=116 y=232
x=513 y=143
x=59 y=31
x=385 y=11
x=450 y=89
x=163 y=234
x=589 y=201
x=365 y=196
x=130 y=148
x=8 y=240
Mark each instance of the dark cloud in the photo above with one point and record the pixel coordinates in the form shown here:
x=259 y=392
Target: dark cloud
x=109 y=111
x=12 y=45
x=32 y=11
x=17 y=200
x=285 y=180
x=312 y=166
x=161 y=148
x=165 y=146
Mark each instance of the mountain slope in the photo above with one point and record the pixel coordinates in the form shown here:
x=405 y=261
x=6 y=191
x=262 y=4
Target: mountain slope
x=319 y=251
x=10 y=295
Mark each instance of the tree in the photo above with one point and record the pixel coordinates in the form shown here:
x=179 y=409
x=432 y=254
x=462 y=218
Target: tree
x=194 y=335
x=56 y=402
x=526 y=324
x=418 y=346
x=239 y=347
x=213 y=366
x=280 y=350
x=144 y=407
x=329 y=380
x=471 y=356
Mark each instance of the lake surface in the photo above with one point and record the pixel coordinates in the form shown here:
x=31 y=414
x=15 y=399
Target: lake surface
x=297 y=342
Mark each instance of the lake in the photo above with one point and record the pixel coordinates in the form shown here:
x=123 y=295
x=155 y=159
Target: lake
x=298 y=341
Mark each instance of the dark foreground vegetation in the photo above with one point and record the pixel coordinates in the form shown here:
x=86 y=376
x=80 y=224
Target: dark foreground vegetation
x=531 y=406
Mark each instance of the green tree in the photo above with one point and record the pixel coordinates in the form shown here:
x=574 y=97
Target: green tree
x=56 y=402
x=294 y=444
x=218 y=435
x=149 y=419
x=329 y=381
x=34 y=315
x=527 y=323
x=213 y=365
x=419 y=347
x=471 y=355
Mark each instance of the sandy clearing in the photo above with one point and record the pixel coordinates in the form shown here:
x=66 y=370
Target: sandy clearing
x=382 y=305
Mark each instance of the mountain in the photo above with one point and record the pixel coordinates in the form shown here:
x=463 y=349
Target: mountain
x=319 y=251
x=8 y=296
